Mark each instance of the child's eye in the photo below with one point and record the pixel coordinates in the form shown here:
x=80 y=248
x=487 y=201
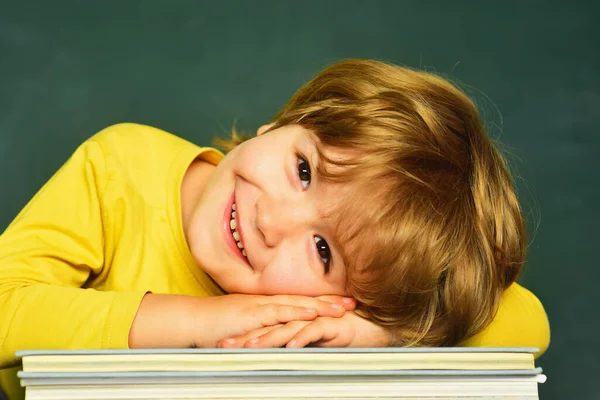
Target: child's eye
x=303 y=171
x=324 y=252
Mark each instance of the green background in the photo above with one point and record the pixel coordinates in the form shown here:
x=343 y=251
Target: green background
x=70 y=68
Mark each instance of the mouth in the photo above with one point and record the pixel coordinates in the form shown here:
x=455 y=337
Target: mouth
x=233 y=231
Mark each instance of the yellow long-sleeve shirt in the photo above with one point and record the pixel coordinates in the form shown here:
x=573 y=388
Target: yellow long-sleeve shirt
x=106 y=229
x=108 y=221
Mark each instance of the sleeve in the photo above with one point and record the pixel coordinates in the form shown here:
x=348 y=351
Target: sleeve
x=521 y=321
x=46 y=255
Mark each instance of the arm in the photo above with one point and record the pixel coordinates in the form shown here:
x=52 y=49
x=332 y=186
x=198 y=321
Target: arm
x=520 y=322
x=47 y=253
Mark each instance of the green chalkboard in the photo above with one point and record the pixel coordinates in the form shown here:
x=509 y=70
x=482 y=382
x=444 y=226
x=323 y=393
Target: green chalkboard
x=70 y=68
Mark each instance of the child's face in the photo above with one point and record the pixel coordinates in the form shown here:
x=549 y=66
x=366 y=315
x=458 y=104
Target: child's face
x=279 y=207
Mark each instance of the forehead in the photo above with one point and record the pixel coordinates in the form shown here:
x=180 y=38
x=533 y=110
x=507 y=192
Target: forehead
x=348 y=202
x=335 y=191
x=350 y=208
x=345 y=179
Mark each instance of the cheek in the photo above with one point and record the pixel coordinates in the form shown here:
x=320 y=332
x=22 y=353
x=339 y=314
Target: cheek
x=253 y=163
x=290 y=278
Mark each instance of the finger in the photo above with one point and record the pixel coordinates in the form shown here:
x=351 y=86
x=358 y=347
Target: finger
x=240 y=341
x=324 y=307
x=228 y=343
x=316 y=331
x=328 y=309
x=273 y=314
x=278 y=337
x=348 y=303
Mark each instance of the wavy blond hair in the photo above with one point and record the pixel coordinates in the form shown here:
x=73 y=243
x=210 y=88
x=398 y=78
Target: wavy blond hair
x=443 y=235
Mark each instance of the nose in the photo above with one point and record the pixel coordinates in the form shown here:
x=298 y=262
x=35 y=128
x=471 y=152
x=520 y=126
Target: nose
x=278 y=219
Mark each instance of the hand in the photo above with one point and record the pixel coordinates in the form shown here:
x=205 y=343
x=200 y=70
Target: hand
x=235 y=314
x=350 y=330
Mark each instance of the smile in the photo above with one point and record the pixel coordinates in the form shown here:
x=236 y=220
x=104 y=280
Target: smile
x=234 y=233
x=234 y=236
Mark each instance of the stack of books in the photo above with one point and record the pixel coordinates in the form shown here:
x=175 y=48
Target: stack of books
x=309 y=373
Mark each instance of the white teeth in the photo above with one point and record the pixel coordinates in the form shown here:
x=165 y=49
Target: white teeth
x=235 y=233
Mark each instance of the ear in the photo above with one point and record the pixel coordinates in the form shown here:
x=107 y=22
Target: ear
x=263 y=129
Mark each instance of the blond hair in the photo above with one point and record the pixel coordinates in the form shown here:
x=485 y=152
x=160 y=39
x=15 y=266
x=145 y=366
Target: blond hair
x=445 y=230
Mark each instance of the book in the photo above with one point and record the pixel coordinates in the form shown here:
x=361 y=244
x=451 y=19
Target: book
x=315 y=373
x=282 y=359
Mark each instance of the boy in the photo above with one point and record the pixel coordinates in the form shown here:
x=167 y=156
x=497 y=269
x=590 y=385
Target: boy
x=374 y=182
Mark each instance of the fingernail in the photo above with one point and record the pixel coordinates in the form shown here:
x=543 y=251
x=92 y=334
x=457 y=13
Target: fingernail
x=291 y=343
x=310 y=310
x=253 y=341
x=230 y=340
x=347 y=300
x=336 y=305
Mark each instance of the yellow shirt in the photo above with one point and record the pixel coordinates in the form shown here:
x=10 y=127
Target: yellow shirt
x=109 y=221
